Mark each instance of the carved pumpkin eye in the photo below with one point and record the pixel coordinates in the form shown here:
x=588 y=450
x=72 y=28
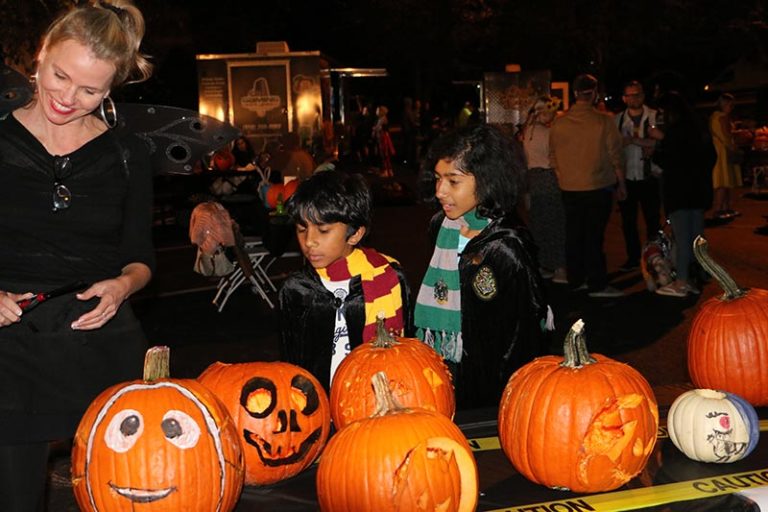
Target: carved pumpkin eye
x=180 y=429
x=304 y=395
x=124 y=430
x=259 y=397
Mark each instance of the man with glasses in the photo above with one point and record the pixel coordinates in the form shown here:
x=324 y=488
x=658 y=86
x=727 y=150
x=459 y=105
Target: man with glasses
x=641 y=174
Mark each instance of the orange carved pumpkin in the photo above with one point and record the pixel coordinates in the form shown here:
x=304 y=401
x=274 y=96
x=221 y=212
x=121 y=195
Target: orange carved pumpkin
x=280 y=410
x=578 y=422
x=157 y=445
x=398 y=459
x=418 y=378
x=728 y=342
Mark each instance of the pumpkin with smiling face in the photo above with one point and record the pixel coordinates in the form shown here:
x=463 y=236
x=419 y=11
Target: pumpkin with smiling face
x=157 y=445
x=281 y=412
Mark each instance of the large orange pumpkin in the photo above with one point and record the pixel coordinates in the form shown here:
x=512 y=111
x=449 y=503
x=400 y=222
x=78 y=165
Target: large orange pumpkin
x=157 y=445
x=579 y=422
x=728 y=341
x=281 y=412
x=418 y=378
x=399 y=459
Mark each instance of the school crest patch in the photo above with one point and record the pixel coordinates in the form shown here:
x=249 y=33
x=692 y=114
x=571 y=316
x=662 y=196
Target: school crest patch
x=484 y=283
x=441 y=291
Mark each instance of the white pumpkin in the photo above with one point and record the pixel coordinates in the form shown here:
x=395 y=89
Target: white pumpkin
x=713 y=426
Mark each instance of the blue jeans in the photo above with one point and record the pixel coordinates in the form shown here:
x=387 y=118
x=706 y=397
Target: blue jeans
x=686 y=226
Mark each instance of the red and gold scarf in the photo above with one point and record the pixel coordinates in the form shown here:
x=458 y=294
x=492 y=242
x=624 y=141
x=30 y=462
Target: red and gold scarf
x=381 y=287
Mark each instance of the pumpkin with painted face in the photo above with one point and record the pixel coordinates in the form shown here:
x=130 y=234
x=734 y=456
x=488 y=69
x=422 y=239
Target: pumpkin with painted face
x=281 y=412
x=578 y=422
x=157 y=445
x=713 y=426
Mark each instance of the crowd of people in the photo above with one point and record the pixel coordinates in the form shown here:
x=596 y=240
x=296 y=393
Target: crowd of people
x=75 y=208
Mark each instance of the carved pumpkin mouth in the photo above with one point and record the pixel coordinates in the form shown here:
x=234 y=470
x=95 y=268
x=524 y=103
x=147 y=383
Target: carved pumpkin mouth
x=142 y=495
x=264 y=449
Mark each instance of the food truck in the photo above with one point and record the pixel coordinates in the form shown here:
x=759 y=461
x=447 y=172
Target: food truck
x=275 y=91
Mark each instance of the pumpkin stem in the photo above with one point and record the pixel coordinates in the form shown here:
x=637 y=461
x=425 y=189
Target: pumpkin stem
x=385 y=401
x=575 y=353
x=157 y=363
x=726 y=282
x=383 y=339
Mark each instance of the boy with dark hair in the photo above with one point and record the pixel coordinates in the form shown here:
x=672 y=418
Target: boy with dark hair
x=331 y=305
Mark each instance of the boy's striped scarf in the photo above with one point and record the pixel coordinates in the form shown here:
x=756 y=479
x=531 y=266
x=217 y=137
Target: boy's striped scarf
x=438 y=306
x=381 y=287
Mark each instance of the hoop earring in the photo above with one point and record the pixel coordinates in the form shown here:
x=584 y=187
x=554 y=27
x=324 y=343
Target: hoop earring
x=108 y=112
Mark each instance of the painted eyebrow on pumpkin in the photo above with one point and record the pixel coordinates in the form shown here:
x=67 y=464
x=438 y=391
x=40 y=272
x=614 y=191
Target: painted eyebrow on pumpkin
x=715 y=414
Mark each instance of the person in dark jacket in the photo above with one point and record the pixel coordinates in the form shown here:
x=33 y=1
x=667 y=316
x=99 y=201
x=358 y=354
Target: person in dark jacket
x=687 y=155
x=331 y=305
x=481 y=304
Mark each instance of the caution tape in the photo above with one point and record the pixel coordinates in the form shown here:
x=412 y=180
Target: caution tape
x=481 y=444
x=633 y=499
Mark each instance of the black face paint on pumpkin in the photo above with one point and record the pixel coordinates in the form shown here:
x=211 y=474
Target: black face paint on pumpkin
x=264 y=448
x=287 y=419
x=259 y=384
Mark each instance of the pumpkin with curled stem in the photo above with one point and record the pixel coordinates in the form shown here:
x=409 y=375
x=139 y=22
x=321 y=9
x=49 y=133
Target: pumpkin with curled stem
x=157 y=445
x=399 y=459
x=728 y=341
x=418 y=377
x=579 y=422
x=281 y=412
x=713 y=426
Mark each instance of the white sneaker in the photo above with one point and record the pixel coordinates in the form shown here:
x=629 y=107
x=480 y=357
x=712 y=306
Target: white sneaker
x=546 y=274
x=672 y=291
x=607 y=292
x=560 y=277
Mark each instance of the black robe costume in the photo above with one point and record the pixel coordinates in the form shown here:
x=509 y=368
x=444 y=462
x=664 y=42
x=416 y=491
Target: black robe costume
x=503 y=309
x=307 y=319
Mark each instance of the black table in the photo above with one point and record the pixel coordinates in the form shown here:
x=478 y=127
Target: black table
x=670 y=482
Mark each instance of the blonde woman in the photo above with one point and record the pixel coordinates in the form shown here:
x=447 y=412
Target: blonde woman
x=726 y=174
x=75 y=206
x=546 y=216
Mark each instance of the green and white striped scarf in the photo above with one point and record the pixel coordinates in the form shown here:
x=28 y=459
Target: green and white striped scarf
x=438 y=306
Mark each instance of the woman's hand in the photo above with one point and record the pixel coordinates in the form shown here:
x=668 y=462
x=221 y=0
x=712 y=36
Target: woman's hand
x=10 y=312
x=112 y=293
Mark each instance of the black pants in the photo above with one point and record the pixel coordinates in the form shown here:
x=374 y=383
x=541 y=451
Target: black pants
x=586 y=216
x=23 y=474
x=645 y=194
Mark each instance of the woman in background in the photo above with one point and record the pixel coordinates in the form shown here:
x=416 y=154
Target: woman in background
x=686 y=155
x=726 y=173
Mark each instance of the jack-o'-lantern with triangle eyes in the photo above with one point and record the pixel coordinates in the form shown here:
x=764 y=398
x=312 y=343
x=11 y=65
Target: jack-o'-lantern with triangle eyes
x=281 y=412
x=157 y=445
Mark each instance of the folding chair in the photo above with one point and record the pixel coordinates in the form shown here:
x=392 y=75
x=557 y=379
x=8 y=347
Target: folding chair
x=250 y=255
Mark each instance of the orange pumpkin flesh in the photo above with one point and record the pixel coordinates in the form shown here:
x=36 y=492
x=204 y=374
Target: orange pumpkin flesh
x=728 y=341
x=158 y=445
x=579 y=422
x=281 y=412
x=418 y=378
x=398 y=459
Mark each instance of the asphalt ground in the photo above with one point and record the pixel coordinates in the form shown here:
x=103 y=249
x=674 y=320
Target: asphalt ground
x=643 y=329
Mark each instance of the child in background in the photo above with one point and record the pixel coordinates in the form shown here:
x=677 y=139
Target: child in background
x=331 y=305
x=481 y=304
